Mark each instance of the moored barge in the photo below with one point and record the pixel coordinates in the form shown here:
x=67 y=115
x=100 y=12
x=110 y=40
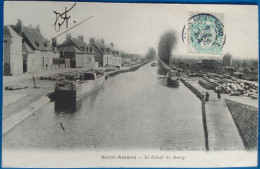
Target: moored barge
x=173 y=79
x=67 y=92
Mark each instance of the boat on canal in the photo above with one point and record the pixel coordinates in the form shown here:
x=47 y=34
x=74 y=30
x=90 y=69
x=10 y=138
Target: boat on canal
x=66 y=92
x=173 y=78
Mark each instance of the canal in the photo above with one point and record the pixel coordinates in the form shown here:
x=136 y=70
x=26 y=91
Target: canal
x=134 y=110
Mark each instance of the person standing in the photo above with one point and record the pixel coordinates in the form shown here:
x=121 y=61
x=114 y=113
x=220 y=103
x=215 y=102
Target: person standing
x=219 y=96
x=207 y=97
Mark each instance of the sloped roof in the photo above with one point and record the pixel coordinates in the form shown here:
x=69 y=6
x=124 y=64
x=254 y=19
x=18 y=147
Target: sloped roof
x=102 y=47
x=71 y=49
x=35 y=38
x=78 y=43
x=100 y=44
x=8 y=31
x=26 y=48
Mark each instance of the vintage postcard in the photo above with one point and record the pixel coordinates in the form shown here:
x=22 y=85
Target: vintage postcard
x=129 y=85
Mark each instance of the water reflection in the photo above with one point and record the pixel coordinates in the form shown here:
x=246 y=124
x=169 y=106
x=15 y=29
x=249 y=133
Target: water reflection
x=69 y=108
x=160 y=71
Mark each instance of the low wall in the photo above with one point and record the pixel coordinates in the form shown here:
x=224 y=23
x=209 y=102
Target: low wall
x=10 y=122
x=130 y=69
x=193 y=89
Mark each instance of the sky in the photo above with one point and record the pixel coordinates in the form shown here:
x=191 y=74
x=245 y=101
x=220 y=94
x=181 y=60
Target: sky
x=134 y=28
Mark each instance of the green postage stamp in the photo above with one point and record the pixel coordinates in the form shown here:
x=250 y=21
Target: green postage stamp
x=205 y=34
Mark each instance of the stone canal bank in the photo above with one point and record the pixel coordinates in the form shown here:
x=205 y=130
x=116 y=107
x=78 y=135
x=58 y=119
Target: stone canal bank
x=230 y=123
x=220 y=130
x=20 y=104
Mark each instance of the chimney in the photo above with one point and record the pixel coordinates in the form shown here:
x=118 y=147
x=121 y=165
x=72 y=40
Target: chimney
x=112 y=44
x=81 y=37
x=19 y=27
x=38 y=28
x=68 y=36
x=54 y=42
x=102 y=41
x=92 y=40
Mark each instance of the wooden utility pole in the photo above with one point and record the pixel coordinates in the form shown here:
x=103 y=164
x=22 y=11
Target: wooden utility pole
x=34 y=82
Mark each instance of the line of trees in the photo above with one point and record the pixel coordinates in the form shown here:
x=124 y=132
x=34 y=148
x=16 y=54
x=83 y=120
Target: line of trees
x=166 y=45
x=151 y=54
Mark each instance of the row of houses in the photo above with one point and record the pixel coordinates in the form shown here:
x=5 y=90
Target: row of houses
x=27 y=51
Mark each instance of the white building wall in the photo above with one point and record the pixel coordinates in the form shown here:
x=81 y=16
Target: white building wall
x=16 y=57
x=107 y=59
x=88 y=61
x=79 y=58
x=31 y=63
x=117 y=61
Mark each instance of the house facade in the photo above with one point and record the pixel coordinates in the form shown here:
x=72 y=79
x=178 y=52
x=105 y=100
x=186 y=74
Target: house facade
x=104 y=54
x=37 y=52
x=12 y=52
x=77 y=51
x=129 y=59
x=117 y=61
x=107 y=59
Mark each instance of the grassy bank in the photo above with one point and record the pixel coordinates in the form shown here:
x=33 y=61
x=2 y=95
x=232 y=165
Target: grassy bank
x=246 y=120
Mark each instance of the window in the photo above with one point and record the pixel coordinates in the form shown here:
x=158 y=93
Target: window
x=5 y=41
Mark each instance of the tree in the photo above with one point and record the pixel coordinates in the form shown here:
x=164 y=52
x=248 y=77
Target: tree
x=166 y=45
x=151 y=53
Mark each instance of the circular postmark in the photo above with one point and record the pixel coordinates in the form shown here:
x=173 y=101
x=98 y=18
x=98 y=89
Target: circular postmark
x=204 y=34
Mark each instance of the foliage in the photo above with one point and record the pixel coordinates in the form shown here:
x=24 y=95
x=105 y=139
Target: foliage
x=151 y=53
x=166 y=45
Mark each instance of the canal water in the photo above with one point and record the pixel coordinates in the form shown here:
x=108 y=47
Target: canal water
x=134 y=110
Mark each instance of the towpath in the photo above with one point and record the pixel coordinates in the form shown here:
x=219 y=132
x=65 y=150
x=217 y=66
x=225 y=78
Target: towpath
x=222 y=131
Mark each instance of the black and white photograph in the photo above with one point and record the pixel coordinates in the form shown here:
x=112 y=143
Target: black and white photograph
x=98 y=84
